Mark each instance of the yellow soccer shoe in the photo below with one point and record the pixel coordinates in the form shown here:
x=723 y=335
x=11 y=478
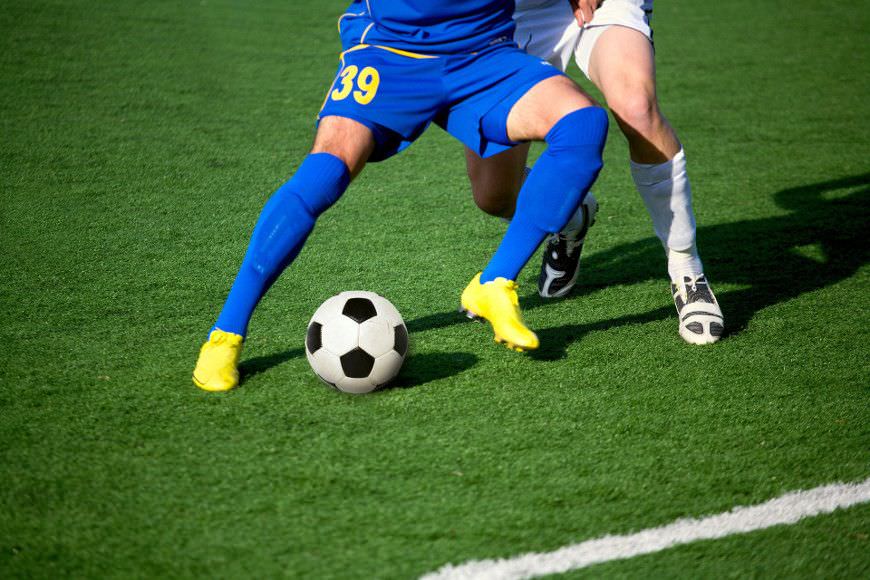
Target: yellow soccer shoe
x=218 y=366
x=497 y=302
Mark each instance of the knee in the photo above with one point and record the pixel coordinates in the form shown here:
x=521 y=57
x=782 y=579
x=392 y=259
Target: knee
x=582 y=127
x=348 y=140
x=636 y=111
x=577 y=140
x=493 y=195
x=498 y=205
x=339 y=150
x=566 y=170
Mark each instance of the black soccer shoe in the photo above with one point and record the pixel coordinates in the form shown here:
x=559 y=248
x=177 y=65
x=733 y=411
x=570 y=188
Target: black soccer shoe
x=701 y=320
x=561 y=263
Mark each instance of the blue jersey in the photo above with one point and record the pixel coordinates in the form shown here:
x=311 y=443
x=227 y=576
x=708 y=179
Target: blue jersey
x=409 y=63
x=434 y=26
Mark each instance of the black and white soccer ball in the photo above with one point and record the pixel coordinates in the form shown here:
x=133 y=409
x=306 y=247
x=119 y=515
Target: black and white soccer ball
x=356 y=341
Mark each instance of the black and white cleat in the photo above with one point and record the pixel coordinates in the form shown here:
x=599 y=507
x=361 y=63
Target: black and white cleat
x=561 y=263
x=701 y=320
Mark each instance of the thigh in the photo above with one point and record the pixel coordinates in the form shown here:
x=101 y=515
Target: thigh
x=542 y=106
x=349 y=140
x=622 y=64
x=394 y=94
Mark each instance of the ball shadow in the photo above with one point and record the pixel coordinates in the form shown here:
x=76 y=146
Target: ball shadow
x=820 y=242
x=417 y=370
x=420 y=369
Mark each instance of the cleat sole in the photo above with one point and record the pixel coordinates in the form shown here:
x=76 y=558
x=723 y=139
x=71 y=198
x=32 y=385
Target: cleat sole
x=210 y=389
x=469 y=314
x=510 y=345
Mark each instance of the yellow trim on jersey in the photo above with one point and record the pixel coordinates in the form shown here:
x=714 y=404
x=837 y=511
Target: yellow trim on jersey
x=362 y=38
x=405 y=52
x=389 y=49
x=332 y=86
x=345 y=15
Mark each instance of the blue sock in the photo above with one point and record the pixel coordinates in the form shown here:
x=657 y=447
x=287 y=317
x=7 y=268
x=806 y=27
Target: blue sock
x=282 y=228
x=553 y=190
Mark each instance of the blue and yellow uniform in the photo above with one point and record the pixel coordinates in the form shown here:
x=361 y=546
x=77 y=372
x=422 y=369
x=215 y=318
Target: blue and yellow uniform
x=431 y=26
x=407 y=64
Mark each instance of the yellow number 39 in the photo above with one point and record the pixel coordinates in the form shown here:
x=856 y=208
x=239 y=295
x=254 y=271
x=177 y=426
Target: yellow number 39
x=367 y=81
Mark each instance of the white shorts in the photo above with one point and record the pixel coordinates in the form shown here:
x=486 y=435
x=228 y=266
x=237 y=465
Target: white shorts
x=548 y=29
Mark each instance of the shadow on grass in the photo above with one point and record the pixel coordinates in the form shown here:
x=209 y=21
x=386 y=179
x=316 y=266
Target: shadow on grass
x=821 y=242
x=420 y=369
x=254 y=366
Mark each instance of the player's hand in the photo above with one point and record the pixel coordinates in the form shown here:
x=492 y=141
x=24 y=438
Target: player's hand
x=584 y=10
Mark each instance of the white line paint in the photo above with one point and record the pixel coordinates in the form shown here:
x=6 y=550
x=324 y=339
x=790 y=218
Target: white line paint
x=787 y=509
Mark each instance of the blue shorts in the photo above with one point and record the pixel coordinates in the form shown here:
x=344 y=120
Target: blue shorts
x=397 y=94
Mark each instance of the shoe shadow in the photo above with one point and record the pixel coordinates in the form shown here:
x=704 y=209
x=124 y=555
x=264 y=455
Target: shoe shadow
x=436 y=320
x=819 y=243
x=254 y=366
x=555 y=340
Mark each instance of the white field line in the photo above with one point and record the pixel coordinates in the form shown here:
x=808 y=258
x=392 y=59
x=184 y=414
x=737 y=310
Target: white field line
x=787 y=509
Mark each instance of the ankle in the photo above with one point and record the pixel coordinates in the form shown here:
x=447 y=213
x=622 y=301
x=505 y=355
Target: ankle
x=684 y=263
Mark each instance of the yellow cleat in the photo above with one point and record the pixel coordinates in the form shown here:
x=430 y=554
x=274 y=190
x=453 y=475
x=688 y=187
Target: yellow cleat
x=497 y=302
x=218 y=366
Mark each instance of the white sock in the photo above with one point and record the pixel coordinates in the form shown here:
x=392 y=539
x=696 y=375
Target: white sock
x=575 y=224
x=682 y=264
x=665 y=190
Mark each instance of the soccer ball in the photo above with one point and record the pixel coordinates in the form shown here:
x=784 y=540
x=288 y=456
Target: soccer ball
x=356 y=341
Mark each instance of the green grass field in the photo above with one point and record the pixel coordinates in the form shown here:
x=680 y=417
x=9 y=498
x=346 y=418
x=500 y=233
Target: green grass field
x=138 y=142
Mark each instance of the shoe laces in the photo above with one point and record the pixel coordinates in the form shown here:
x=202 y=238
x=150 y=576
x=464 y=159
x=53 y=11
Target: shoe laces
x=511 y=287
x=558 y=241
x=696 y=289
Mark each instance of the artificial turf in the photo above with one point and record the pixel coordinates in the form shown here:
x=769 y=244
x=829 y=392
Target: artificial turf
x=140 y=140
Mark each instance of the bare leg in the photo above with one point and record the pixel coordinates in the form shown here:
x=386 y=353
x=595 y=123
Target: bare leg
x=496 y=180
x=622 y=66
x=543 y=106
x=349 y=140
